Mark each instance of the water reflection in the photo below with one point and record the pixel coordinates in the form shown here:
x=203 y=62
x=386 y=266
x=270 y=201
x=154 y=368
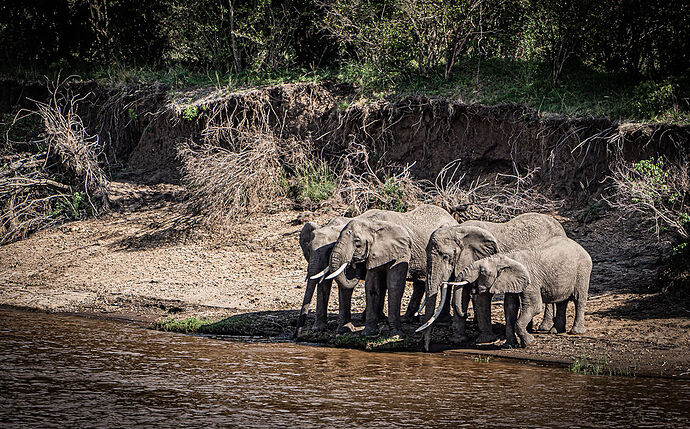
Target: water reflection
x=72 y=371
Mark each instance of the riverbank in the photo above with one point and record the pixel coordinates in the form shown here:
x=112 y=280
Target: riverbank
x=150 y=262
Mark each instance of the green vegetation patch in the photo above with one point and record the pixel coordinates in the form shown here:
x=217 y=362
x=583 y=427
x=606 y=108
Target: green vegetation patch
x=382 y=343
x=186 y=326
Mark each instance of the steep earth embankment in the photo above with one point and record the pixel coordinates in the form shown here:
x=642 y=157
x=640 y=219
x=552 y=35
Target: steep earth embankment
x=149 y=258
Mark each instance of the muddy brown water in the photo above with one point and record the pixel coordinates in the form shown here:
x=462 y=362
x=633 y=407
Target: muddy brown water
x=69 y=371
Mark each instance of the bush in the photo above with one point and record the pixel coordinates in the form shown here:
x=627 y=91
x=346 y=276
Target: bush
x=315 y=183
x=656 y=98
x=659 y=190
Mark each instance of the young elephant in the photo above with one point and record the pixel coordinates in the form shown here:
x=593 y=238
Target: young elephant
x=392 y=246
x=556 y=272
x=451 y=249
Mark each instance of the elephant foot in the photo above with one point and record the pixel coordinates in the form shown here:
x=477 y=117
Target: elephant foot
x=545 y=327
x=370 y=332
x=319 y=326
x=526 y=340
x=485 y=338
x=396 y=334
x=555 y=330
x=347 y=328
x=510 y=345
x=459 y=339
x=577 y=330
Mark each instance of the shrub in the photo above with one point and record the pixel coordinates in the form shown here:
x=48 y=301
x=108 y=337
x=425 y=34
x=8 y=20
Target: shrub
x=315 y=183
x=660 y=190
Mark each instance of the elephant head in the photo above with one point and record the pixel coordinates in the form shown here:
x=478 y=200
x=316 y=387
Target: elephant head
x=317 y=243
x=496 y=274
x=451 y=249
x=372 y=242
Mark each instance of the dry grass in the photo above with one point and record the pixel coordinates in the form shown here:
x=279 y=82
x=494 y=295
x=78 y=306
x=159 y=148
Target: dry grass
x=62 y=181
x=659 y=189
x=497 y=200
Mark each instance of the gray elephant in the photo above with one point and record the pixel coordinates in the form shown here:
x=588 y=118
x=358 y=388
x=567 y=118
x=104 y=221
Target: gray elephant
x=556 y=272
x=392 y=247
x=451 y=249
x=317 y=243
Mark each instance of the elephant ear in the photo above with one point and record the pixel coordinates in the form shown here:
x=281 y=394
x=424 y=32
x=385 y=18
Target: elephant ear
x=512 y=276
x=477 y=243
x=305 y=238
x=391 y=243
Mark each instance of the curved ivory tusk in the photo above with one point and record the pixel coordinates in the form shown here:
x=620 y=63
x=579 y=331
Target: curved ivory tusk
x=421 y=307
x=321 y=274
x=462 y=283
x=444 y=292
x=336 y=272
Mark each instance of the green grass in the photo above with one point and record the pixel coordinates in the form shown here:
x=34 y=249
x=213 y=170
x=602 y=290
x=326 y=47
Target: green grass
x=381 y=343
x=599 y=366
x=188 y=325
x=315 y=182
x=582 y=90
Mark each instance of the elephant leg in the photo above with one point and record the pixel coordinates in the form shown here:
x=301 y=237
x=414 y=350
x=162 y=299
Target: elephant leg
x=548 y=320
x=527 y=312
x=559 y=319
x=345 y=310
x=415 y=301
x=579 y=323
x=481 y=303
x=372 y=289
x=382 y=285
x=511 y=304
x=461 y=300
x=396 y=286
x=323 y=293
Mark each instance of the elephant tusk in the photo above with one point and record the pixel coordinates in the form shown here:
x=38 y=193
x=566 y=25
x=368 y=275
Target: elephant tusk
x=444 y=292
x=421 y=307
x=336 y=272
x=462 y=283
x=319 y=275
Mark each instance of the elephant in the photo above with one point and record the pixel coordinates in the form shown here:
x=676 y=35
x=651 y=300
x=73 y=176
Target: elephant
x=317 y=243
x=451 y=249
x=392 y=247
x=555 y=272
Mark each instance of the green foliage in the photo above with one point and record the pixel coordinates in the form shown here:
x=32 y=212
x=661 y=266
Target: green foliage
x=190 y=113
x=315 y=182
x=188 y=325
x=599 y=366
x=72 y=207
x=653 y=173
x=393 y=196
x=653 y=99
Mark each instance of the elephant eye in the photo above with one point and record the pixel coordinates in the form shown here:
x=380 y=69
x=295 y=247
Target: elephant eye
x=358 y=243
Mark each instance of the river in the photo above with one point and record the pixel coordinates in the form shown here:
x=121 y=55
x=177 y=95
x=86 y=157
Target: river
x=67 y=371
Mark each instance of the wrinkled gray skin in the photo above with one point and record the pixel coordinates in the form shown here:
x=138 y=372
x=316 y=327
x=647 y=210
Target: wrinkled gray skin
x=392 y=247
x=451 y=249
x=556 y=272
x=317 y=243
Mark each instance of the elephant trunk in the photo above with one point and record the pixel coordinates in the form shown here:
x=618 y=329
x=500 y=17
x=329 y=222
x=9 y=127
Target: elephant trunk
x=437 y=273
x=340 y=258
x=434 y=306
x=315 y=265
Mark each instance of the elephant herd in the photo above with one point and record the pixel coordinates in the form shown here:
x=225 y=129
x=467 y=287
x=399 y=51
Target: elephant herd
x=529 y=259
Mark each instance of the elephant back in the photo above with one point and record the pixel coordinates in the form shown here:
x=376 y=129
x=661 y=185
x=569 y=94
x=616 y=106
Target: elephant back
x=525 y=231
